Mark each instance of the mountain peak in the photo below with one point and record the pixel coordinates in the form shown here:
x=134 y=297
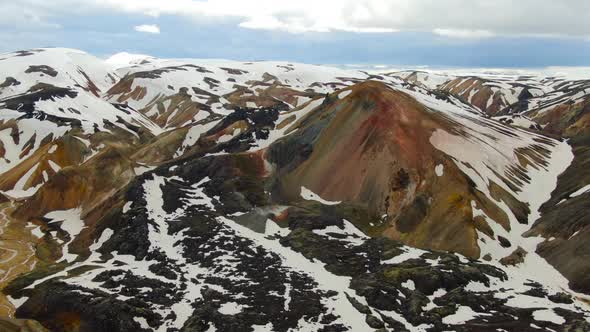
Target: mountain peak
x=125 y=59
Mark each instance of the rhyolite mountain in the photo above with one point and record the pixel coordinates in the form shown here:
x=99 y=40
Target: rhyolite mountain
x=144 y=194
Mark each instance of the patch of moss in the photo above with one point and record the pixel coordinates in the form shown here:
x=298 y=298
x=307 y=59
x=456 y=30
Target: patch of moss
x=456 y=200
x=443 y=311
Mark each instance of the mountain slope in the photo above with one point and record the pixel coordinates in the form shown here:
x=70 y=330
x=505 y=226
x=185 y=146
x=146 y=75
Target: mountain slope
x=53 y=115
x=200 y=195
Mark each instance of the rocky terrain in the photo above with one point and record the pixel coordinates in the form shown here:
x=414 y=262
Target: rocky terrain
x=144 y=194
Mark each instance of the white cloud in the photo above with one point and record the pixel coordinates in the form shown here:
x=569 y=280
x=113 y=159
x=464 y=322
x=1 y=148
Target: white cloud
x=25 y=18
x=465 y=34
x=148 y=28
x=449 y=18
x=498 y=17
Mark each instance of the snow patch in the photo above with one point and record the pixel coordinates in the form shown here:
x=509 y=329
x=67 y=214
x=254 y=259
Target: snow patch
x=410 y=253
x=463 y=314
x=142 y=322
x=581 y=191
x=409 y=284
x=230 y=308
x=70 y=223
x=127 y=206
x=439 y=170
x=344 y=94
x=311 y=196
x=548 y=315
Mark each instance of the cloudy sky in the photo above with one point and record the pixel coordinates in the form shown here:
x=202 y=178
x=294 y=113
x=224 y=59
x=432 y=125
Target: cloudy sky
x=468 y=33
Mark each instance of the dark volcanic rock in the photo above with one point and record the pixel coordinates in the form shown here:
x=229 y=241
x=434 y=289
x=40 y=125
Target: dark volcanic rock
x=42 y=69
x=61 y=307
x=25 y=103
x=9 y=81
x=504 y=242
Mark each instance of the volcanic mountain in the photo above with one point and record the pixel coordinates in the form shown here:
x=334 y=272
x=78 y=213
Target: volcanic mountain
x=198 y=195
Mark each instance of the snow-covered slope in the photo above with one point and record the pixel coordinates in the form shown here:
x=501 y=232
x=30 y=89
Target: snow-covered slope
x=179 y=92
x=424 y=79
x=56 y=66
x=124 y=59
x=48 y=94
x=489 y=92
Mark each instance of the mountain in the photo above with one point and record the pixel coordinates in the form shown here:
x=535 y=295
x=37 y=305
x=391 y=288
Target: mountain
x=144 y=194
x=563 y=221
x=124 y=59
x=53 y=115
x=560 y=111
x=491 y=93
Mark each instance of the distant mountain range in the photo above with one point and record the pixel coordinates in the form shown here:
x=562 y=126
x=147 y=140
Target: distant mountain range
x=146 y=194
